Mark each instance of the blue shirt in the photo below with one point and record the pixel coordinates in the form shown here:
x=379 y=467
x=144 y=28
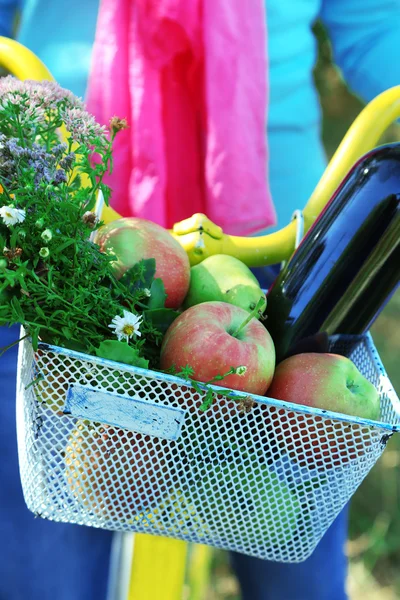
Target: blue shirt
x=365 y=35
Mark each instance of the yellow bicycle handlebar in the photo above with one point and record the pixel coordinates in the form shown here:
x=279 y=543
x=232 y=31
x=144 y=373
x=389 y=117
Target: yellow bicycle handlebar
x=198 y=235
x=21 y=62
x=201 y=238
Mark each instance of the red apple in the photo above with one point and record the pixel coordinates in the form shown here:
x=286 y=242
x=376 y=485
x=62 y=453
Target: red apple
x=204 y=338
x=116 y=472
x=329 y=382
x=132 y=239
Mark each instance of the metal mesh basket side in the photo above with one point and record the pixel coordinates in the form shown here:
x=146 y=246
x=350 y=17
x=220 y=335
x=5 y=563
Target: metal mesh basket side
x=267 y=482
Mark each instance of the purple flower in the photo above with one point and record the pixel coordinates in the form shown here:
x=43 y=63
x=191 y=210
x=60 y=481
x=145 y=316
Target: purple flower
x=59 y=150
x=67 y=162
x=34 y=111
x=48 y=174
x=14 y=148
x=60 y=177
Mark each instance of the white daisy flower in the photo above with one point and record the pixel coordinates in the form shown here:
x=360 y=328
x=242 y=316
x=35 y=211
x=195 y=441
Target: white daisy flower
x=11 y=215
x=127 y=326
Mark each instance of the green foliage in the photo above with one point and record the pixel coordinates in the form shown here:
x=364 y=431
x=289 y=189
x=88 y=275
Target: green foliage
x=160 y=318
x=53 y=279
x=207 y=394
x=140 y=276
x=121 y=352
x=157 y=294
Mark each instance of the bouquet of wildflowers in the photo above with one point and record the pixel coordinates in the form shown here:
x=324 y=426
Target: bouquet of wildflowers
x=53 y=279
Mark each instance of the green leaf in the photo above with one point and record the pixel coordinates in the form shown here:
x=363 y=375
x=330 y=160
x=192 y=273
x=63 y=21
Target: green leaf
x=18 y=314
x=76 y=183
x=34 y=331
x=158 y=295
x=140 y=275
x=161 y=318
x=186 y=372
x=35 y=381
x=208 y=400
x=121 y=352
x=67 y=333
x=106 y=193
x=90 y=205
x=14 y=238
x=196 y=387
x=63 y=246
x=40 y=312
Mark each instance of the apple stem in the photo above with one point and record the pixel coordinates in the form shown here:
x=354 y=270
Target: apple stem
x=249 y=317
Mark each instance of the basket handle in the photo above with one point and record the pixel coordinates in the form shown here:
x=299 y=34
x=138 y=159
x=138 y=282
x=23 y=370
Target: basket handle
x=135 y=414
x=21 y=62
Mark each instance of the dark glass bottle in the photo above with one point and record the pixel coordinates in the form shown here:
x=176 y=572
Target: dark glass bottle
x=347 y=265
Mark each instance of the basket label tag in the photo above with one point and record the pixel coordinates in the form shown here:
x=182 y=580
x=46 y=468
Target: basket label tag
x=130 y=413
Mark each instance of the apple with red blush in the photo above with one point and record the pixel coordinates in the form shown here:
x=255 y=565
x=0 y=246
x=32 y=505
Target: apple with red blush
x=132 y=239
x=329 y=382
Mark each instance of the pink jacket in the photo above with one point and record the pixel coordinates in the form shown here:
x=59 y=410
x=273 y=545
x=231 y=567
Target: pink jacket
x=190 y=76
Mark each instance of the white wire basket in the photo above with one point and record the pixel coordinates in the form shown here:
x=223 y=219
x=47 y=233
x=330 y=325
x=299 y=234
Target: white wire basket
x=121 y=448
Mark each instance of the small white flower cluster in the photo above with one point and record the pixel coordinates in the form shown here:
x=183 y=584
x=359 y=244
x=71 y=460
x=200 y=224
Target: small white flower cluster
x=11 y=215
x=127 y=326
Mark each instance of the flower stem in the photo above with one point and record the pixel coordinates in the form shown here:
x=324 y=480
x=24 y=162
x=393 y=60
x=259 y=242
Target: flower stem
x=5 y=348
x=231 y=371
x=247 y=320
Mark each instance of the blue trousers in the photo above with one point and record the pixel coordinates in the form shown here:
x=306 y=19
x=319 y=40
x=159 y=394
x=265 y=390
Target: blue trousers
x=39 y=559
x=320 y=577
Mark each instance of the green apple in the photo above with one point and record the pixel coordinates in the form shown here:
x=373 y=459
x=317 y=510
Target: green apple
x=328 y=381
x=247 y=499
x=224 y=278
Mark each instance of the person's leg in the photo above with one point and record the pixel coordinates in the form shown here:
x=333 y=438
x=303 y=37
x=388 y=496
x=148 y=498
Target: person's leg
x=40 y=559
x=320 y=577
